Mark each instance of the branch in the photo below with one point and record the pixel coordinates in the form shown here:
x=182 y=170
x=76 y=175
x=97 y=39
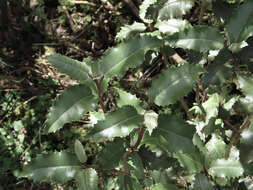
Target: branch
x=236 y=136
x=83 y=3
x=133 y=7
x=202 y=10
x=98 y=86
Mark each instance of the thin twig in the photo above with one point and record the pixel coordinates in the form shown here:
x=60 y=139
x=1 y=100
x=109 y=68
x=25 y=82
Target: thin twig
x=202 y=10
x=236 y=136
x=186 y=108
x=133 y=148
x=98 y=83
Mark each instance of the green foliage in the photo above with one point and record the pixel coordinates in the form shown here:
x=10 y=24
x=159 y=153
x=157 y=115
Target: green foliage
x=162 y=109
x=173 y=84
x=59 y=167
x=70 y=106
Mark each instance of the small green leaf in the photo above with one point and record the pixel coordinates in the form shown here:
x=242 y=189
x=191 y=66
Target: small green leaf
x=201 y=183
x=130 y=30
x=192 y=162
x=219 y=71
x=70 y=106
x=172 y=26
x=150 y=120
x=75 y=69
x=226 y=168
x=111 y=154
x=126 y=98
x=87 y=179
x=58 y=167
x=199 y=38
x=216 y=149
x=160 y=186
x=80 y=153
x=240 y=25
x=246 y=84
x=211 y=106
x=135 y=166
x=143 y=9
x=118 y=123
x=173 y=84
x=128 y=183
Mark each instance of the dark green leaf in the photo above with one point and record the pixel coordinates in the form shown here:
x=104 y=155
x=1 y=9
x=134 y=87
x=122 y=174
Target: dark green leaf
x=171 y=135
x=128 y=183
x=126 y=98
x=70 y=106
x=118 y=123
x=192 y=162
x=135 y=166
x=80 y=153
x=75 y=69
x=201 y=183
x=199 y=38
x=111 y=154
x=57 y=167
x=219 y=71
x=223 y=10
x=87 y=179
x=129 y=54
x=173 y=84
x=240 y=26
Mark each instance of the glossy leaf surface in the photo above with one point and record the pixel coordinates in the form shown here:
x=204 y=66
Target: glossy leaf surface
x=70 y=106
x=87 y=179
x=173 y=83
x=56 y=167
x=118 y=123
x=75 y=69
x=198 y=38
x=129 y=54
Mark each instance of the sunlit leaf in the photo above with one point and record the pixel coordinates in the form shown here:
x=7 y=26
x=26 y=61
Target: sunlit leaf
x=199 y=38
x=129 y=54
x=56 y=167
x=130 y=30
x=126 y=98
x=75 y=69
x=118 y=123
x=172 y=26
x=226 y=168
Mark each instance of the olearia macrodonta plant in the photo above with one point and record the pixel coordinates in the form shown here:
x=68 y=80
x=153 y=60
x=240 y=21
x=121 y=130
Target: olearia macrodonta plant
x=173 y=103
